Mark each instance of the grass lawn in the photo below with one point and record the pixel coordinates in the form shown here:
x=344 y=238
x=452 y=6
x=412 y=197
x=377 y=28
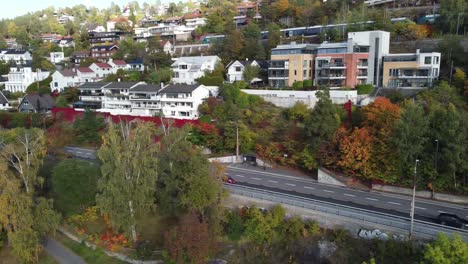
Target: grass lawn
x=88 y=254
x=7 y=258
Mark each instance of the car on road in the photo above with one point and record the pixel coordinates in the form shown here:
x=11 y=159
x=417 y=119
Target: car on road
x=452 y=220
x=229 y=180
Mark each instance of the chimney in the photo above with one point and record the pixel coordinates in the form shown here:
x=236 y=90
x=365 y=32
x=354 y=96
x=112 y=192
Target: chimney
x=162 y=85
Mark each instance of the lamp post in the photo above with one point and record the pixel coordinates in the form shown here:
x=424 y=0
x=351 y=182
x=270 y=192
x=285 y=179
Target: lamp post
x=436 y=154
x=413 y=199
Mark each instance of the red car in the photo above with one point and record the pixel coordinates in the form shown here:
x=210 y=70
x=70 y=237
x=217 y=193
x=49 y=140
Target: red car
x=230 y=180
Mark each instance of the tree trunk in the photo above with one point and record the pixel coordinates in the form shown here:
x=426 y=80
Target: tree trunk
x=134 y=235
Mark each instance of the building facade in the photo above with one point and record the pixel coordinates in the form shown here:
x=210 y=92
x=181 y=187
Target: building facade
x=21 y=76
x=235 y=69
x=188 y=69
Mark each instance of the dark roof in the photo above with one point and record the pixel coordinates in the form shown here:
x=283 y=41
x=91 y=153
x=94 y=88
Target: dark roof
x=263 y=64
x=106 y=47
x=93 y=85
x=179 y=88
x=45 y=101
x=146 y=88
x=16 y=52
x=3 y=99
x=136 y=61
x=121 y=85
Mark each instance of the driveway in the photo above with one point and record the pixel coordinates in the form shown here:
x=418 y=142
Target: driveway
x=60 y=253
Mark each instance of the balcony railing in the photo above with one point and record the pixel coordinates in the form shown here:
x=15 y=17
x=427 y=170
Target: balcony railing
x=363 y=64
x=330 y=65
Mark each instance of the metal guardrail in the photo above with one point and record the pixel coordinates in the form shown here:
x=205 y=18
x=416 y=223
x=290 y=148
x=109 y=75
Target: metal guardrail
x=422 y=229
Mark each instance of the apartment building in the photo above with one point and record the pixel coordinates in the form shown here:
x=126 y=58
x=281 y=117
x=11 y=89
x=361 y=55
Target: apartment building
x=144 y=99
x=90 y=95
x=21 y=76
x=411 y=70
x=103 y=52
x=116 y=95
x=291 y=63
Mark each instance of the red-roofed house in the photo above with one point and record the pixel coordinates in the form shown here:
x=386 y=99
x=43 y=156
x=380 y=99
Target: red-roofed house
x=86 y=74
x=102 y=69
x=117 y=64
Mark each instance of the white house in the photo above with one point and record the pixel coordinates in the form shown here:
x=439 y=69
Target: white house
x=187 y=69
x=181 y=101
x=145 y=100
x=63 y=79
x=85 y=74
x=167 y=47
x=3 y=102
x=16 y=56
x=20 y=77
x=102 y=69
x=116 y=97
x=235 y=69
x=117 y=64
x=57 y=57
x=136 y=65
x=195 y=22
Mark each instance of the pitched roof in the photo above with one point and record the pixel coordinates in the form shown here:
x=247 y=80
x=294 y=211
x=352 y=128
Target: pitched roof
x=179 y=88
x=16 y=52
x=146 y=88
x=194 y=60
x=84 y=70
x=102 y=65
x=81 y=53
x=192 y=15
x=3 y=99
x=67 y=73
x=119 y=62
x=121 y=85
x=106 y=47
x=42 y=101
x=93 y=85
x=136 y=61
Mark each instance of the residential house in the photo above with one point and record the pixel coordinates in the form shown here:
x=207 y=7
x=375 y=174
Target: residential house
x=16 y=56
x=91 y=95
x=195 y=21
x=167 y=47
x=85 y=74
x=35 y=103
x=116 y=97
x=117 y=64
x=50 y=37
x=235 y=69
x=63 y=79
x=102 y=69
x=181 y=101
x=103 y=52
x=79 y=56
x=144 y=99
x=63 y=19
x=411 y=70
x=190 y=49
x=21 y=76
x=11 y=43
x=4 y=104
x=57 y=57
x=102 y=38
x=291 y=63
x=111 y=23
x=188 y=69
x=174 y=20
x=66 y=42
x=246 y=7
x=136 y=65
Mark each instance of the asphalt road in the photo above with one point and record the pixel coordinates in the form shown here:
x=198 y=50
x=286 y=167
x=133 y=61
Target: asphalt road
x=383 y=202
x=271 y=179
x=60 y=253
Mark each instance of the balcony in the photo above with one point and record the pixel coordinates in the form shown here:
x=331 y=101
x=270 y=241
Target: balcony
x=143 y=97
x=362 y=65
x=90 y=98
x=332 y=66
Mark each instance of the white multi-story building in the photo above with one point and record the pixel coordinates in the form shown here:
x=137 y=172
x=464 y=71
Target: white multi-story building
x=181 y=101
x=145 y=100
x=188 y=69
x=20 y=77
x=116 y=97
x=16 y=56
x=195 y=22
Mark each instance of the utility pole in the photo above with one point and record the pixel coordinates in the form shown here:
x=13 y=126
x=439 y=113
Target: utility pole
x=436 y=154
x=237 y=141
x=451 y=73
x=413 y=200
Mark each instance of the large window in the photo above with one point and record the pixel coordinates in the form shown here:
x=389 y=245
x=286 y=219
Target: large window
x=427 y=60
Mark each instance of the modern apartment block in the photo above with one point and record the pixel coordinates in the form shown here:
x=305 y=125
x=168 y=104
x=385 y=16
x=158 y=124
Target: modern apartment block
x=363 y=59
x=411 y=70
x=291 y=63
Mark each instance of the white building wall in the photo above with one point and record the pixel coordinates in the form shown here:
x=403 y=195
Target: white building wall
x=20 y=78
x=60 y=82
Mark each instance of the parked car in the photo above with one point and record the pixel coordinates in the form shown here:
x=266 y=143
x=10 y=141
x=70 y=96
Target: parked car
x=452 y=220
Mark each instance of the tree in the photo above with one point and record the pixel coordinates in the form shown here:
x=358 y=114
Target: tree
x=274 y=36
x=162 y=75
x=191 y=241
x=250 y=72
x=87 y=128
x=449 y=12
x=446 y=251
x=185 y=183
x=410 y=137
x=257 y=229
x=126 y=188
x=74 y=185
x=322 y=122
x=355 y=153
x=61 y=101
x=459 y=79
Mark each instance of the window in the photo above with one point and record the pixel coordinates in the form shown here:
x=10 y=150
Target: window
x=305 y=73
x=304 y=64
x=238 y=69
x=427 y=60
x=437 y=60
x=55 y=84
x=295 y=72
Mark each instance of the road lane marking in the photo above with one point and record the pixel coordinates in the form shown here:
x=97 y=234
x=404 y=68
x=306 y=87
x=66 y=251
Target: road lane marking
x=372 y=199
x=272 y=181
x=394 y=203
x=328 y=191
x=242 y=176
x=442 y=212
x=290 y=184
x=422 y=208
x=307 y=187
x=257 y=179
x=350 y=195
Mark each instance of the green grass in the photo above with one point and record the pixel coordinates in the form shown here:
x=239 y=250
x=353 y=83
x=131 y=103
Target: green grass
x=90 y=255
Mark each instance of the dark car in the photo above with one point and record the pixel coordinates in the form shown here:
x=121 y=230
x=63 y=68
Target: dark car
x=229 y=180
x=452 y=220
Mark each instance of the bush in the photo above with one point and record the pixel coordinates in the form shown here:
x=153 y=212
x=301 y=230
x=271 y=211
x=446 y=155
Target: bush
x=364 y=88
x=298 y=85
x=308 y=83
x=144 y=250
x=74 y=185
x=234 y=226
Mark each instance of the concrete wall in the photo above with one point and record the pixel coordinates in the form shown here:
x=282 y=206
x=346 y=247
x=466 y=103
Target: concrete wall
x=288 y=98
x=324 y=177
x=227 y=159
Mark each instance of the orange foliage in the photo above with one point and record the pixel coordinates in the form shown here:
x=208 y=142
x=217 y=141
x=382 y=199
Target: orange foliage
x=355 y=150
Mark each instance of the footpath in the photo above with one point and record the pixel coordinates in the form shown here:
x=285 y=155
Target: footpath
x=60 y=253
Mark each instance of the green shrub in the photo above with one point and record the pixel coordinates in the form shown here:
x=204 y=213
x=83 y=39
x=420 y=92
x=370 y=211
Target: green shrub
x=308 y=83
x=364 y=88
x=298 y=85
x=234 y=226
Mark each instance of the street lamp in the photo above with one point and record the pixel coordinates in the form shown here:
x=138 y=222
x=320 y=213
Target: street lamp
x=413 y=200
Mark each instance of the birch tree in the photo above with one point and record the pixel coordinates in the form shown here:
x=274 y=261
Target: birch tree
x=126 y=188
